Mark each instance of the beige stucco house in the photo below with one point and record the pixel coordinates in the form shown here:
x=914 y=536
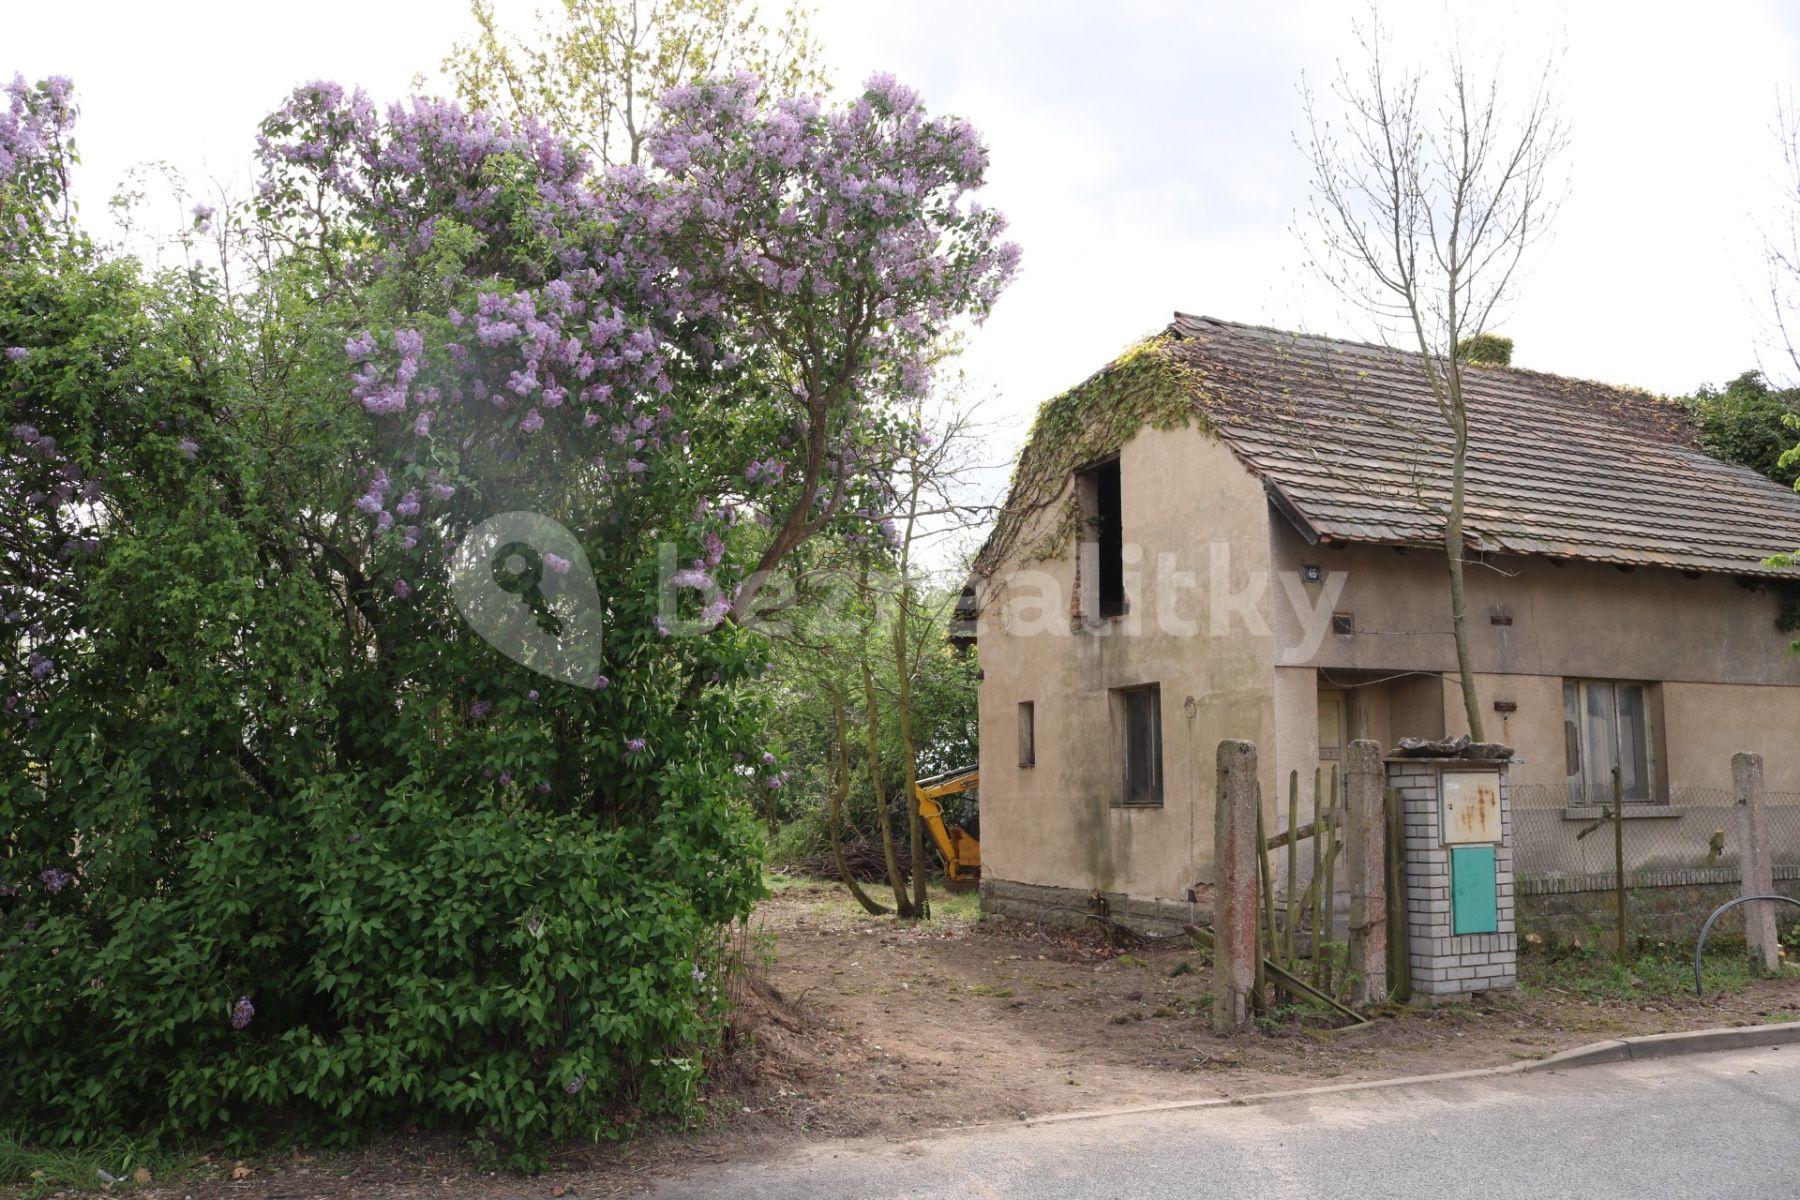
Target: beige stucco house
x=1234 y=532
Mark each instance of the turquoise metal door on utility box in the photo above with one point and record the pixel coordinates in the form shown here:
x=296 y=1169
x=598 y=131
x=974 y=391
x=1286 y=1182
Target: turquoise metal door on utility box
x=1474 y=900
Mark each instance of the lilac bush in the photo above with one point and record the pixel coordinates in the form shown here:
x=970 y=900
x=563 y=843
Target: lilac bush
x=248 y=736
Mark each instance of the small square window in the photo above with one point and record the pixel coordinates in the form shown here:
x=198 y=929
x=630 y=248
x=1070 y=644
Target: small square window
x=1139 y=714
x=1027 y=734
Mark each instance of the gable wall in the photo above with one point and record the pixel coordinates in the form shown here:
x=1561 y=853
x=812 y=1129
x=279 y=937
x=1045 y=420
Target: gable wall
x=1057 y=823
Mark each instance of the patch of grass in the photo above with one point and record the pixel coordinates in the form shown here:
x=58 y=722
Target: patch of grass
x=988 y=989
x=38 y=1171
x=1184 y=967
x=1656 y=972
x=1130 y=960
x=955 y=906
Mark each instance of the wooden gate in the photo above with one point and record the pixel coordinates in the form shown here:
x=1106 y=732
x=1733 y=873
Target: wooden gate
x=1302 y=959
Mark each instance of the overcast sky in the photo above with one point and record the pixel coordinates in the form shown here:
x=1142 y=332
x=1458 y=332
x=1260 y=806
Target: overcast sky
x=1142 y=149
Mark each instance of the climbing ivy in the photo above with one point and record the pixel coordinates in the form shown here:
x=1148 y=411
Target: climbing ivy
x=1787 y=599
x=1087 y=423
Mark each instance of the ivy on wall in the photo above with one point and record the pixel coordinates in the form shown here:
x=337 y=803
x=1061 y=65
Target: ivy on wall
x=1084 y=425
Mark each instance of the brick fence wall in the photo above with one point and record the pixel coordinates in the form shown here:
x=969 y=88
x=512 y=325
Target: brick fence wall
x=1669 y=905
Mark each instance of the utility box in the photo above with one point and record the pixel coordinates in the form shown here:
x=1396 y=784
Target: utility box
x=1459 y=875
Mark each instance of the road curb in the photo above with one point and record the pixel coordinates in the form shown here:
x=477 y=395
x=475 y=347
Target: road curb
x=1669 y=1045
x=1644 y=1047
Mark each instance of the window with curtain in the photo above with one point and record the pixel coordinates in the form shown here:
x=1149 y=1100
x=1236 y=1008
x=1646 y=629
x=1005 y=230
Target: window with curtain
x=1605 y=724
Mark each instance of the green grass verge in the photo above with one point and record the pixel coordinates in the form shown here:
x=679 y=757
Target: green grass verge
x=39 y=1171
x=1653 y=973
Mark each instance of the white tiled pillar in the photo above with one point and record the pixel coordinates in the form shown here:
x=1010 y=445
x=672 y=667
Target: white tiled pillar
x=1445 y=964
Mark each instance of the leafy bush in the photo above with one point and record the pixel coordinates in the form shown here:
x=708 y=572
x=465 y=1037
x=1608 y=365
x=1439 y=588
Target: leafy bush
x=288 y=843
x=1750 y=423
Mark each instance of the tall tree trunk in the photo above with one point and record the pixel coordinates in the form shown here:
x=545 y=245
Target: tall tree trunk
x=915 y=823
x=902 y=905
x=834 y=814
x=1453 y=548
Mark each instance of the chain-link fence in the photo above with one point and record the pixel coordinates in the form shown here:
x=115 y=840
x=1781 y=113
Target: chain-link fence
x=1681 y=856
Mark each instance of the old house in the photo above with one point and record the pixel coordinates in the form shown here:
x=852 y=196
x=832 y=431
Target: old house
x=1235 y=532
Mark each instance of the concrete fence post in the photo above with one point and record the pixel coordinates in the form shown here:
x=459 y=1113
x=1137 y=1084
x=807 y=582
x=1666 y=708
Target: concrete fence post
x=1755 y=863
x=1365 y=828
x=1234 y=886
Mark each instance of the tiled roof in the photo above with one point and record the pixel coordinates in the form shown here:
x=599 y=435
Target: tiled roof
x=1350 y=445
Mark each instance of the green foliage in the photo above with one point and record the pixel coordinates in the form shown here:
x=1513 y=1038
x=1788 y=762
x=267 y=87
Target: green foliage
x=266 y=868
x=1752 y=424
x=592 y=67
x=945 y=721
x=1087 y=423
x=1787 y=600
x=1486 y=349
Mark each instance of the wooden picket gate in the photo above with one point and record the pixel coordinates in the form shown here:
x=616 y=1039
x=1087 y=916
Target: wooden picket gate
x=1301 y=960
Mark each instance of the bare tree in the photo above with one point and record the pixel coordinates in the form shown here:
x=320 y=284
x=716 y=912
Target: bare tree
x=1427 y=190
x=1781 y=242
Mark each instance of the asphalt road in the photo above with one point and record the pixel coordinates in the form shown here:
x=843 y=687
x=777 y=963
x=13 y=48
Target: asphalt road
x=1712 y=1126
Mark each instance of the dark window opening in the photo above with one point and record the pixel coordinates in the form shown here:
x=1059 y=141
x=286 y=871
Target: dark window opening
x=1027 y=734
x=1101 y=492
x=1141 y=726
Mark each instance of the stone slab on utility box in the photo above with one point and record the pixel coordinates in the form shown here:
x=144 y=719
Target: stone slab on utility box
x=1460 y=914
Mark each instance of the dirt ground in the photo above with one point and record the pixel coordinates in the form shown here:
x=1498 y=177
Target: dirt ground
x=863 y=1027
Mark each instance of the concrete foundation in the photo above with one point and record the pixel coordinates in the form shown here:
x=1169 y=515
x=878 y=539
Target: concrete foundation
x=1070 y=908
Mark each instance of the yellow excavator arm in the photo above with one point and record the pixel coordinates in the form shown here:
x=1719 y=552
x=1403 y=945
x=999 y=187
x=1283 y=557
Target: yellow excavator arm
x=956 y=846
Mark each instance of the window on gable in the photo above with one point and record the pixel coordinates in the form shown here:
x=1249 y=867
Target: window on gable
x=1606 y=724
x=1104 y=539
x=1138 y=712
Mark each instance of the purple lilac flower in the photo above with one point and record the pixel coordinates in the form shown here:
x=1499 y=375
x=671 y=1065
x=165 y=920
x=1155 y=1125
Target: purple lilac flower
x=242 y=1012
x=481 y=708
x=574 y=1085
x=532 y=695
x=601 y=683
x=634 y=745
x=55 y=879
x=188 y=448
x=40 y=665
x=557 y=563
x=402 y=589
x=17 y=353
